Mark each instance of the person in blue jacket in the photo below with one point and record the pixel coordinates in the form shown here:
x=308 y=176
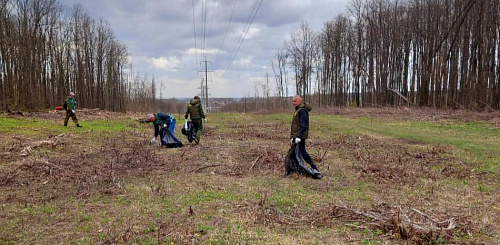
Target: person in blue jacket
x=161 y=120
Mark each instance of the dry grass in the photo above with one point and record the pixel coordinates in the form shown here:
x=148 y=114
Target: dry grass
x=91 y=186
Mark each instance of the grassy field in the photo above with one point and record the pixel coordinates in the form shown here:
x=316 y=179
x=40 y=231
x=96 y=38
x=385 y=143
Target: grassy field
x=387 y=180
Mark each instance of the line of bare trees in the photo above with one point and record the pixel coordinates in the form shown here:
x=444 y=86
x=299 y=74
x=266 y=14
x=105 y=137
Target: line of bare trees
x=436 y=53
x=44 y=55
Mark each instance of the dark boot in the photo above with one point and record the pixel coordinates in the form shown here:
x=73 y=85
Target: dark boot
x=78 y=125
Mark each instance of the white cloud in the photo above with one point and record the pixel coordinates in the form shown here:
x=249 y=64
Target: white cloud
x=166 y=64
x=198 y=51
x=246 y=62
x=252 y=32
x=239 y=32
x=164 y=42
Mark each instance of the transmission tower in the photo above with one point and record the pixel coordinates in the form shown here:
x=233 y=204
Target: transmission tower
x=202 y=88
x=205 y=92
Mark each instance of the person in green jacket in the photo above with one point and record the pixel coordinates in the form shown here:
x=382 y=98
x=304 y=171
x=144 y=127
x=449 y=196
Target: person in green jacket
x=195 y=112
x=69 y=106
x=160 y=120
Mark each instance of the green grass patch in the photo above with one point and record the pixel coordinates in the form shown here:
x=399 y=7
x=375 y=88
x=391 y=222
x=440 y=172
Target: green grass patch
x=26 y=126
x=110 y=125
x=36 y=126
x=477 y=141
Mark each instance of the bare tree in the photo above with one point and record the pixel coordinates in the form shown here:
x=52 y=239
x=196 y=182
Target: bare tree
x=43 y=57
x=301 y=50
x=279 y=65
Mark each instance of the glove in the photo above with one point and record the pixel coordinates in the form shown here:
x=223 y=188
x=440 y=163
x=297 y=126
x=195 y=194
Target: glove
x=164 y=125
x=73 y=111
x=296 y=141
x=204 y=119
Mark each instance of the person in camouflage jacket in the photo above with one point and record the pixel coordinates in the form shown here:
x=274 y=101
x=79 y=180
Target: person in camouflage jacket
x=195 y=112
x=69 y=106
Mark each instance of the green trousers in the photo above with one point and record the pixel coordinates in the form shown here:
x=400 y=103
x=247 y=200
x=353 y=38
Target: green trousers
x=73 y=117
x=198 y=125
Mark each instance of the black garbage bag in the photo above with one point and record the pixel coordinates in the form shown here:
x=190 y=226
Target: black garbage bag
x=295 y=163
x=189 y=131
x=169 y=139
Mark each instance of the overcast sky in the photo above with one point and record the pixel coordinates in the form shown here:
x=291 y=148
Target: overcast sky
x=163 y=42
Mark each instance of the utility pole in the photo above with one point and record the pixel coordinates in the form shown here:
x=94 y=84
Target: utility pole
x=202 y=88
x=161 y=96
x=206 y=71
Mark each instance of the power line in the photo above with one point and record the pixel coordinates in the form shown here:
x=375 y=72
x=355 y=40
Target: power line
x=227 y=31
x=242 y=37
x=204 y=20
x=246 y=29
x=211 y=11
x=194 y=33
